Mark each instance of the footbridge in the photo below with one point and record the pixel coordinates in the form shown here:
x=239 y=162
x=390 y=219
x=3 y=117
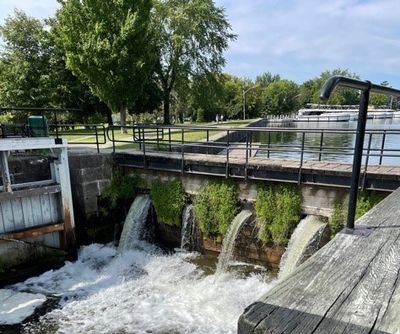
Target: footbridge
x=292 y=155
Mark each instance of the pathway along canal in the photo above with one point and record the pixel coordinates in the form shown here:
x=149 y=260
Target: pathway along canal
x=342 y=140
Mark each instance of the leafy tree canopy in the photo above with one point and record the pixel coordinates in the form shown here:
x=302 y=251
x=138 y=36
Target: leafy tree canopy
x=191 y=36
x=282 y=97
x=107 y=44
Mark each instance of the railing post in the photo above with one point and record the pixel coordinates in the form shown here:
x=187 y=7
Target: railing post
x=320 y=146
x=301 y=157
x=382 y=147
x=227 y=155
x=247 y=155
x=366 y=161
x=169 y=139
x=56 y=121
x=208 y=141
x=269 y=143
x=358 y=152
x=113 y=137
x=144 y=148
x=182 y=150
x=97 y=139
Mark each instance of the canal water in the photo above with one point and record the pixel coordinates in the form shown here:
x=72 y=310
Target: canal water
x=143 y=290
x=336 y=147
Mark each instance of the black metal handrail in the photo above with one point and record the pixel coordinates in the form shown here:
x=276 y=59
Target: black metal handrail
x=365 y=87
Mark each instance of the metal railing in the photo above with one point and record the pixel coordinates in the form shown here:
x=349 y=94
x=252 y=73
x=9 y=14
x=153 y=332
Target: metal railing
x=365 y=87
x=85 y=134
x=302 y=144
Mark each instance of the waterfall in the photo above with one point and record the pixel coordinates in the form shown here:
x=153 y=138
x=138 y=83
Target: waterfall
x=228 y=245
x=189 y=229
x=134 y=226
x=303 y=242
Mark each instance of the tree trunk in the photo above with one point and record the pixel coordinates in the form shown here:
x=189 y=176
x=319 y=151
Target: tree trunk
x=167 y=103
x=123 y=111
x=109 y=116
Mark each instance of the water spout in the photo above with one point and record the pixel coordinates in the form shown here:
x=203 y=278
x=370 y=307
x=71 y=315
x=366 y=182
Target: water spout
x=304 y=240
x=228 y=246
x=189 y=229
x=134 y=226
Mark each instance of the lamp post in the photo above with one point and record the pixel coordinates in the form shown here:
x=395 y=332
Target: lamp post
x=244 y=99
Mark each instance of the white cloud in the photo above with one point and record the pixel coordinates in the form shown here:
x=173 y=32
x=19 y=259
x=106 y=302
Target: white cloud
x=294 y=37
x=35 y=8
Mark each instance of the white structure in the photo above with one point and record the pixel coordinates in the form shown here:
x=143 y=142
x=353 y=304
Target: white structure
x=37 y=214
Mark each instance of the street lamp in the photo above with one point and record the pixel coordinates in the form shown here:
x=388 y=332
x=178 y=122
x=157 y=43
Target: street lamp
x=244 y=99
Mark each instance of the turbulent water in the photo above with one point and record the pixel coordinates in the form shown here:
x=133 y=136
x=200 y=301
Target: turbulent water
x=141 y=291
x=228 y=246
x=134 y=225
x=304 y=236
x=189 y=235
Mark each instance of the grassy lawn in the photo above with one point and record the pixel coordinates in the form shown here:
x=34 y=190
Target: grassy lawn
x=87 y=135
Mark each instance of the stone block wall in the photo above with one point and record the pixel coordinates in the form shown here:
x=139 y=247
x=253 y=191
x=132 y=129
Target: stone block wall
x=90 y=175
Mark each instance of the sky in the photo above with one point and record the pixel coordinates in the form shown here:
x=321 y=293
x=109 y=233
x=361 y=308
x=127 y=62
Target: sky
x=297 y=39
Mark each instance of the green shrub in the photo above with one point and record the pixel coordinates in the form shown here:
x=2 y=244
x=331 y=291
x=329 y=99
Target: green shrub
x=168 y=200
x=121 y=189
x=215 y=206
x=278 y=210
x=365 y=202
x=337 y=220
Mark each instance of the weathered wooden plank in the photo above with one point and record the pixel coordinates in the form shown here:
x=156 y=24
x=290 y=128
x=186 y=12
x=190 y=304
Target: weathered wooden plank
x=18 y=214
x=55 y=207
x=349 y=286
x=32 y=232
x=27 y=211
x=45 y=203
x=37 y=215
x=2 y=228
x=8 y=217
x=5 y=196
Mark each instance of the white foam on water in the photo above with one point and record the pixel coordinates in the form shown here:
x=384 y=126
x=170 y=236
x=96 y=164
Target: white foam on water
x=16 y=306
x=143 y=291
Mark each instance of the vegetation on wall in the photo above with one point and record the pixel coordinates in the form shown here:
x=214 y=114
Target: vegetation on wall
x=121 y=189
x=365 y=202
x=168 y=199
x=337 y=220
x=278 y=210
x=215 y=206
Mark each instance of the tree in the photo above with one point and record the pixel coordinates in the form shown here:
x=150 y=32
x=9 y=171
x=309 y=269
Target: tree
x=206 y=98
x=191 y=37
x=108 y=45
x=23 y=60
x=380 y=100
x=310 y=90
x=282 y=97
x=33 y=70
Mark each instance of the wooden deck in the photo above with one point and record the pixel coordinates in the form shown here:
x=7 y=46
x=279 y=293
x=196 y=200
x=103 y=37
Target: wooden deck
x=350 y=286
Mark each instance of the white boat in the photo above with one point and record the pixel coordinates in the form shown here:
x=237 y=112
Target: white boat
x=318 y=115
x=342 y=115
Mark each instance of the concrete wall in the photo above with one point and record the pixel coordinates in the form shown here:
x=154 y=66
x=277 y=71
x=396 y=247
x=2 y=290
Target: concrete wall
x=90 y=175
x=317 y=200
